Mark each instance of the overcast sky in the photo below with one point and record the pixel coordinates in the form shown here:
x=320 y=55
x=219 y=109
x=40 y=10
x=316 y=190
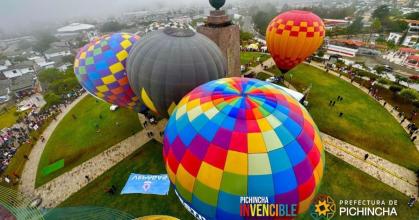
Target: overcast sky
x=18 y=14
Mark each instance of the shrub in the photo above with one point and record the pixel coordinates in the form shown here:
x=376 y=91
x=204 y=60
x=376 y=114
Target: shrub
x=409 y=94
x=395 y=88
x=384 y=81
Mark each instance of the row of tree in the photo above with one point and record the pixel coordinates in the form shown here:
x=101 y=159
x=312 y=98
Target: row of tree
x=57 y=84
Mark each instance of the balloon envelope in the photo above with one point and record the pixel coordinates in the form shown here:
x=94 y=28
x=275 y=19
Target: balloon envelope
x=239 y=137
x=166 y=65
x=100 y=68
x=293 y=36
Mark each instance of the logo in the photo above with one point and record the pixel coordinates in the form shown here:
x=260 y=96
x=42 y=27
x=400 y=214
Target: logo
x=323 y=208
x=147 y=185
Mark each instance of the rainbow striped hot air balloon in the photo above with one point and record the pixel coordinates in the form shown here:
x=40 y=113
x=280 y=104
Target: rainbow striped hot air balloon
x=239 y=137
x=293 y=36
x=100 y=68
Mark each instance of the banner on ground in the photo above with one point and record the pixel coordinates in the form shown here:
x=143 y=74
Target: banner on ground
x=147 y=184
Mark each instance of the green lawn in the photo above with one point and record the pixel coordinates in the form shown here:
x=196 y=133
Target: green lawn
x=8 y=117
x=365 y=122
x=340 y=181
x=77 y=140
x=251 y=57
x=147 y=160
x=263 y=76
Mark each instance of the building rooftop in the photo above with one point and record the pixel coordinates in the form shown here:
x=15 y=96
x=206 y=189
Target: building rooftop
x=75 y=27
x=409 y=50
x=23 y=82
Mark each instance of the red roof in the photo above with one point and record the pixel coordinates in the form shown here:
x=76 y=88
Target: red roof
x=351 y=42
x=416 y=58
x=412 y=21
x=408 y=50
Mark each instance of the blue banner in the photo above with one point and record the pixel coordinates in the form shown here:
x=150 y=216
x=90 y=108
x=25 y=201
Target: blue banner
x=147 y=184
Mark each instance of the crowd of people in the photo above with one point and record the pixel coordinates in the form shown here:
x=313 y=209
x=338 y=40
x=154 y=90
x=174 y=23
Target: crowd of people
x=20 y=133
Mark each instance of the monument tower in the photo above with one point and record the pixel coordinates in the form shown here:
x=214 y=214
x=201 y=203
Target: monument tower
x=220 y=29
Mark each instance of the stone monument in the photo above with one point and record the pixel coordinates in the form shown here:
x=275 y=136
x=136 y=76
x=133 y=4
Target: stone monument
x=220 y=29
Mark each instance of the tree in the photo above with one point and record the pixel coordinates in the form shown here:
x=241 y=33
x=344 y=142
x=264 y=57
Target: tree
x=321 y=52
x=409 y=94
x=380 y=69
x=51 y=99
x=375 y=27
x=68 y=59
x=43 y=41
x=382 y=12
x=356 y=26
x=245 y=36
x=263 y=17
x=111 y=26
x=395 y=89
x=412 y=16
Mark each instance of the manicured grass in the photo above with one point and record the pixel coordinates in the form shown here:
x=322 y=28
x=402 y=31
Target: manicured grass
x=263 y=76
x=8 y=117
x=147 y=160
x=251 y=57
x=77 y=140
x=365 y=122
x=340 y=181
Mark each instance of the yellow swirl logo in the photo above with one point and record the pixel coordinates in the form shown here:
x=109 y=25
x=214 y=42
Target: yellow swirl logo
x=323 y=208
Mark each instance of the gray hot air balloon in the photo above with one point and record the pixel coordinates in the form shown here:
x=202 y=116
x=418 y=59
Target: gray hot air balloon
x=166 y=65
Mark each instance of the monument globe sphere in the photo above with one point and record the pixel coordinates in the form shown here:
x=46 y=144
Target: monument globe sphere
x=238 y=137
x=217 y=4
x=165 y=65
x=100 y=68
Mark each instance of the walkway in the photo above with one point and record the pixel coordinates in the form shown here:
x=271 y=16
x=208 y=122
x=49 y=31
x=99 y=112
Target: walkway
x=27 y=181
x=398 y=177
x=62 y=187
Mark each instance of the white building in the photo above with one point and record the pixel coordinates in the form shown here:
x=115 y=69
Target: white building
x=411 y=41
x=57 y=54
x=344 y=51
x=395 y=37
x=13 y=73
x=76 y=28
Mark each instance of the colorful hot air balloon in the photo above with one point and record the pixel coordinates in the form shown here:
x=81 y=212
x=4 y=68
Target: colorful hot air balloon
x=293 y=36
x=238 y=137
x=166 y=65
x=100 y=69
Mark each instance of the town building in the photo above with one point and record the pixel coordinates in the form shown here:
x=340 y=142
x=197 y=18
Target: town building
x=407 y=57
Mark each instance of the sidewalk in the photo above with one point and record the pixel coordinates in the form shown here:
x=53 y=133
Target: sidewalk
x=398 y=177
x=27 y=181
x=62 y=187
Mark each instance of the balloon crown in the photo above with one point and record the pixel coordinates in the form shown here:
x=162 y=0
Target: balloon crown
x=217 y=4
x=179 y=32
